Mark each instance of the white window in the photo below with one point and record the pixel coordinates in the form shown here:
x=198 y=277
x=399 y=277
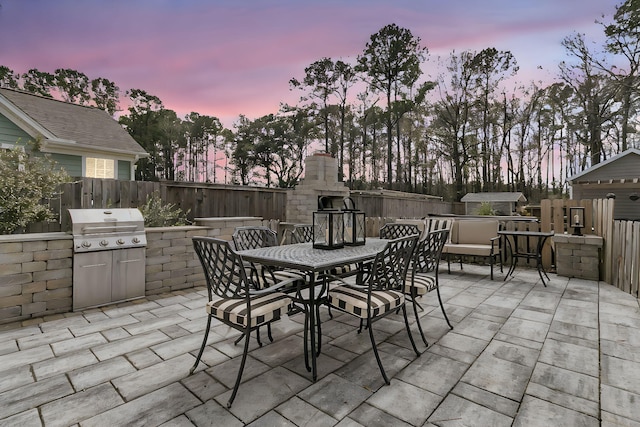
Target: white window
x=100 y=168
x=9 y=147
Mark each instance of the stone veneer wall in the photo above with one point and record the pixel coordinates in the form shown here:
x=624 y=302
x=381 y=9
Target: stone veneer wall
x=171 y=261
x=578 y=256
x=36 y=270
x=35 y=275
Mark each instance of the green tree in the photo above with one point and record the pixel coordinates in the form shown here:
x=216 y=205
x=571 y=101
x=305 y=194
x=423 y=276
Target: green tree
x=595 y=95
x=142 y=123
x=73 y=85
x=450 y=124
x=242 y=141
x=345 y=78
x=302 y=131
x=623 y=39
x=391 y=61
x=202 y=133
x=320 y=78
x=38 y=82
x=489 y=67
x=26 y=179
x=7 y=78
x=105 y=95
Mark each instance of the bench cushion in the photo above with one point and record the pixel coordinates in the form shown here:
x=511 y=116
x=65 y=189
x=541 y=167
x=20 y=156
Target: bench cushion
x=468 y=249
x=476 y=232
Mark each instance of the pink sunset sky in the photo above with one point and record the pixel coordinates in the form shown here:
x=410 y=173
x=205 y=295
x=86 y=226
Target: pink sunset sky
x=224 y=58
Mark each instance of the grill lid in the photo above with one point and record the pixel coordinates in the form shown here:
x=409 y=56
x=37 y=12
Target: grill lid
x=103 y=229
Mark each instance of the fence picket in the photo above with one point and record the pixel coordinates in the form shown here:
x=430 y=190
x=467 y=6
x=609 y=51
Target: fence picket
x=635 y=260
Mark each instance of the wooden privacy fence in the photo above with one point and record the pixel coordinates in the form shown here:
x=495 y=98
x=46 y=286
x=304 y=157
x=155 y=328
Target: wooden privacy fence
x=598 y=218
x=203 y=200
x=199 y=200
x=625 y=256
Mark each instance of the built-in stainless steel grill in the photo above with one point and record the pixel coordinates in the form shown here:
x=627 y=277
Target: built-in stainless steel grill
x=104 y=229
x=109 y=256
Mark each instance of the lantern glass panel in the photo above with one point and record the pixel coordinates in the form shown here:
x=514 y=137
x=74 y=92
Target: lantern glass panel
x=349 y=228
x=360 y=228
x=328 y=230
x=576 y=216
x=320 y=228
x=576 y=219
x=337 y=233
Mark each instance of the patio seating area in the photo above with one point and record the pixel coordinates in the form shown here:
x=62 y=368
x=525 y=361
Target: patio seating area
x=520 y=354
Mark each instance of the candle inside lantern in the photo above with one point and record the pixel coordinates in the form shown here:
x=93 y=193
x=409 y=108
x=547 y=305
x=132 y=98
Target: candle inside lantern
x=576 y=219
x=348 y=233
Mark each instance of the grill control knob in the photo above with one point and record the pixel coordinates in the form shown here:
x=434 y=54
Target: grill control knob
x=135 y=240
x=85 y=244
x=104 y=242
x=120 y=241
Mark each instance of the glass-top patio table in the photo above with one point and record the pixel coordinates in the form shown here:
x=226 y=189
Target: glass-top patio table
x=310 y=261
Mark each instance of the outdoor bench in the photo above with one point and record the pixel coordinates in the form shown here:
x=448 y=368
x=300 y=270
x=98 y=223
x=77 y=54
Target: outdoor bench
x=477 y=237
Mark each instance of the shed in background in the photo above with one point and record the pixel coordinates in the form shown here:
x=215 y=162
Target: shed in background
x=617 y=177
x=503 y=203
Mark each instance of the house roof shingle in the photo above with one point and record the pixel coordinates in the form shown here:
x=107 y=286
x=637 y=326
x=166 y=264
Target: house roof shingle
x=629 y=152
x=494 y=197
x=89 y=126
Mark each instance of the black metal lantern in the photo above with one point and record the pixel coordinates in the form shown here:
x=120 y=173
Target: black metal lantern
x=576 y=219
x=328 y=229
x=354 y=224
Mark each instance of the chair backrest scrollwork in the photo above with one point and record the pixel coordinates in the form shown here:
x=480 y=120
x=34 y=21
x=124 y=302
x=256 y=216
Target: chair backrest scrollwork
x=389 y=268
x=252 y=237
x=223 y=268
x=302 y=233
x=428 y=251
x=395 y=230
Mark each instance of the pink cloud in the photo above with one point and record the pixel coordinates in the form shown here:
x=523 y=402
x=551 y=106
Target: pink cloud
x=226 y=58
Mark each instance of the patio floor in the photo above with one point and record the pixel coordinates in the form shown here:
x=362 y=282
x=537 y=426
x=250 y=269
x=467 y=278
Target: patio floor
x=519 y=355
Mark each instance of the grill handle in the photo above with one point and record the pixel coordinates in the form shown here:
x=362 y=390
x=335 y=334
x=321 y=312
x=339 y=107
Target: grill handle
x=108 y=229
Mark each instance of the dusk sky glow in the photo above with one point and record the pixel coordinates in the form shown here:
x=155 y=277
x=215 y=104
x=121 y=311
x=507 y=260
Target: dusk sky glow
x=224 y=58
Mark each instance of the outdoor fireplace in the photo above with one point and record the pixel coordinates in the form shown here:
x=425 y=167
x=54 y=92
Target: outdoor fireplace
x=320 y=183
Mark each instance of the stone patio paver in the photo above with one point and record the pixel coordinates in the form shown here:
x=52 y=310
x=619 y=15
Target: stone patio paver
x=520 y=354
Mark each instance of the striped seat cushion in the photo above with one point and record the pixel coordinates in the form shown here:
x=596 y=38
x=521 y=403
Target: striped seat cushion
x=354 y=301
x=264 y=308
x=343 y=269
x=422 y=284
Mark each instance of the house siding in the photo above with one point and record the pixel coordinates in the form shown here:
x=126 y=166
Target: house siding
x=620 y=176
x=625 y=208
x=71 y=164
x=10 y=133
x=124 y=170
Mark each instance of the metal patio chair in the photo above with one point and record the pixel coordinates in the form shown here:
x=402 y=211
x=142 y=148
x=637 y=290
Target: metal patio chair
x=255 y=236
x=233 y=299
x=382 y=292
x=302 y=233
x=252 y=237
x=424 y=272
